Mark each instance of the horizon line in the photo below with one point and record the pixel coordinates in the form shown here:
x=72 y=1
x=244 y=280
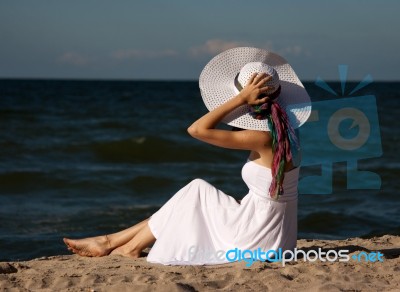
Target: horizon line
x=154 y=79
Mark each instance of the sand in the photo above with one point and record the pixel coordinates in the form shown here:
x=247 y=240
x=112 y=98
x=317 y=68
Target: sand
x=115 y=273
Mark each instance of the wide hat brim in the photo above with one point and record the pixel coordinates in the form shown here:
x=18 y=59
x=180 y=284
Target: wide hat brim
x=217 y=86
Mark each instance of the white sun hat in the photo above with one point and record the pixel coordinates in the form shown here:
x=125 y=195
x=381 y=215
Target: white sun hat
x=223 y=77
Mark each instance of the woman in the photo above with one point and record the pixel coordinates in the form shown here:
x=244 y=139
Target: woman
x=259 y=93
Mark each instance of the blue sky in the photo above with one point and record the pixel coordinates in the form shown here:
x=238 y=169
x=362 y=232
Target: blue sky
x=173 y=40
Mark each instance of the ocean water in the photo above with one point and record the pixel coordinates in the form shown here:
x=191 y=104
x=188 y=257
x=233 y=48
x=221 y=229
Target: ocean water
x=83 y=158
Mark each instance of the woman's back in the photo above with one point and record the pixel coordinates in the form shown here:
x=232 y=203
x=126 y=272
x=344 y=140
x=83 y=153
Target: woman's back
x=259 y=177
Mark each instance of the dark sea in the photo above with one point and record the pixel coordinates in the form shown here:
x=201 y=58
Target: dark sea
x=84 y=158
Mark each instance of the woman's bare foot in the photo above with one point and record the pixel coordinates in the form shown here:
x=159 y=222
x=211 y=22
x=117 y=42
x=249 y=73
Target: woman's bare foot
x=123 y=251
x=89 y=247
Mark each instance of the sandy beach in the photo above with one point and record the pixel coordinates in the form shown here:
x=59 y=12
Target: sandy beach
x=114 y=273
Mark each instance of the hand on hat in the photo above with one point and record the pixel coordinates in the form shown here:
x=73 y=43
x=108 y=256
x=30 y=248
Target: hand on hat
x=254 y=88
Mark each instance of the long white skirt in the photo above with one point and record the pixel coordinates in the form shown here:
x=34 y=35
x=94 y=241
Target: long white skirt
x=200 y=223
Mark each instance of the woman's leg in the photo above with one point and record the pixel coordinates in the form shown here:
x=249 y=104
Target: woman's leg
x=134 y=247
x=103 y=245
x=120 y=238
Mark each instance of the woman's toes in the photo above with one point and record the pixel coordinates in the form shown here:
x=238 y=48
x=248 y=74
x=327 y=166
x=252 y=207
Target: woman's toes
x=66 y=241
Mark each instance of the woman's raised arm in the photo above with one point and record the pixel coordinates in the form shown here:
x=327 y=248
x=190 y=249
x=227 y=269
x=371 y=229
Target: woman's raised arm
x=204 y=128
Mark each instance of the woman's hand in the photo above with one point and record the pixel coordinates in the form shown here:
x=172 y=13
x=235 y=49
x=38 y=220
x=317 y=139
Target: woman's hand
x=204 y=128
x=254 y=88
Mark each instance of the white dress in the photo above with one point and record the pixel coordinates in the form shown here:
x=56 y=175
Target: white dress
x=200 y=223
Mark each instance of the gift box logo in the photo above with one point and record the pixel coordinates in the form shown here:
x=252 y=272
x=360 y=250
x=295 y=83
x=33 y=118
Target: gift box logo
x=345 y=129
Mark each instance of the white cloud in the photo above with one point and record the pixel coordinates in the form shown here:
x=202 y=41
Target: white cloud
x=215 y=46
x=142 y=54
x=73 y=58
x=294 y=50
